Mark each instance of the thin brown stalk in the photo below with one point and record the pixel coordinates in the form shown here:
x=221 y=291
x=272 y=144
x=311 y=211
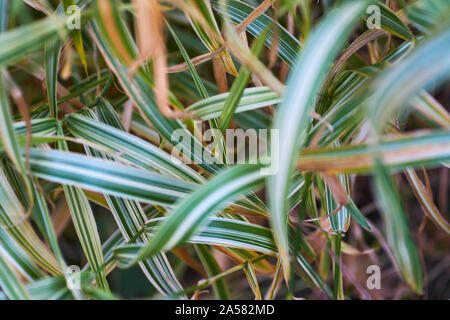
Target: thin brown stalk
x=239 y=28
x=220 y=75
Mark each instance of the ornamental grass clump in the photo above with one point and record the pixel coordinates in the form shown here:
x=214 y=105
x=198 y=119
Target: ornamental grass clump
x=224 y=149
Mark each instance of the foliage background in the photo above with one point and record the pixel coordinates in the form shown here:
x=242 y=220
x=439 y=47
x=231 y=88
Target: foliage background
x=365 y=145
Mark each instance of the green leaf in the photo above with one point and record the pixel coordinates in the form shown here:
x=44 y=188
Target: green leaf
x=390 y=22
x=288 y=48
x=251 y=99
x=10 y=283
x=52 y=52
x=106 y=177
x=410 y=150
x=239 y=84
x=394 y=87
x=293 y=117
x=191 y=213
x=130 y=218
x=11 y=216
x=85 y=226
x=252 y=280
x=220 y=286
x=77 y=36
x=17 y=43
x=134 y=149
x=7 y=133
x=397 y=230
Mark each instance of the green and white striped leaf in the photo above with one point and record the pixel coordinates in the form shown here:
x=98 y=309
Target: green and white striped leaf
x=10 y=283
x=288 y=47
x=252 y=99
x=191 y=213
x=85 y=226
x=106 y=177
x=293 y=117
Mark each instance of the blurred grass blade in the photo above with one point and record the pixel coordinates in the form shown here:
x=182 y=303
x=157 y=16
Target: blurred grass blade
x=427 y=106
x=338 y=292
x=7 y=133
x=293 y=117
x=106 y=177
x=357 y=215
x=10 y=283
x=76 y=36
x=426 y=201
x=251 y=99
x=252 y=280
x=17 y=43
x=220 y=286
x=410 y=150
x=394 y=87
x=428 y=15
x=397 y=231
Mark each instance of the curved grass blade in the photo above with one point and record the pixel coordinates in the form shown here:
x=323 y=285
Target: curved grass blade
x=399 y=152
x=106 y=177
x=397 y=230
x=220 y=286
x=426 y=201
x=130 y=218
x=11 y=212
x=51 y=60
x=390 y=22
x=251 y=99
x=239 y=84
x=10 y=283
x=229 y=233
x=133 y=148
x=250 y=274
x=17 y=43
x=21 y=260
x=288 y=46
x=293 y=117
x=191 y=213
x=394 y=86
